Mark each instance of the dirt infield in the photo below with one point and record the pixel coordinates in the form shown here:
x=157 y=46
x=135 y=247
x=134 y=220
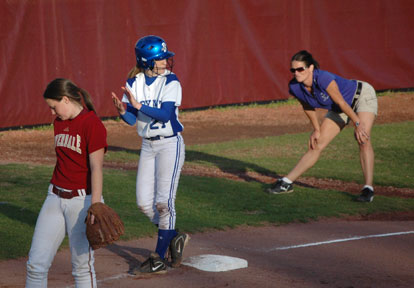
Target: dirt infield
x=333 y=253
x=327 y=262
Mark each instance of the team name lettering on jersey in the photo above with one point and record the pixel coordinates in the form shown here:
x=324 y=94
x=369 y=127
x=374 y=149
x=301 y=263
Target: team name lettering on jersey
x=68 y=141
x=155 y=103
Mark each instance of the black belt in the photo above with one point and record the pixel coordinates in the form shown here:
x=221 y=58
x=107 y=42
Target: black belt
x=68 y=194
x=357 y=93
x=160 y=137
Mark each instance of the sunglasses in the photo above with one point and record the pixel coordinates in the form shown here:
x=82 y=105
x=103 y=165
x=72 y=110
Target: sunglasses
x=299 y=69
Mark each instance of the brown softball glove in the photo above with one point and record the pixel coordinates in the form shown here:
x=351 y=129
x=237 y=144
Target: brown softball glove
x=106 y=228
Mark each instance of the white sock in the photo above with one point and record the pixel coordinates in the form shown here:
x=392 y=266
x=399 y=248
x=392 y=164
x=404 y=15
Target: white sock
x=369 y=187
x=287 y=180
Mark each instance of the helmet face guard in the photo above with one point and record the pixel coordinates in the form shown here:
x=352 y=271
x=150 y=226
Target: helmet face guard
x=152 y=48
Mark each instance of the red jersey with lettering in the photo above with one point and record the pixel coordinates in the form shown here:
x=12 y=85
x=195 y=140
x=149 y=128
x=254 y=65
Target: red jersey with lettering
x=75 y=139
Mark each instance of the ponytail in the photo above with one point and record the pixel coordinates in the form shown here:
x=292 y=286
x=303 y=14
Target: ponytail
x=134 y=71
x=87 y=100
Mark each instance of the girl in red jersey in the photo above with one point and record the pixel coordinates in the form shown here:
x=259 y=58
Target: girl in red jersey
x=80 y=144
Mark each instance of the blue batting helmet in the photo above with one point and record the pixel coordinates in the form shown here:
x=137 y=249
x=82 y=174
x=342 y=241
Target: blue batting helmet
x=150 y=48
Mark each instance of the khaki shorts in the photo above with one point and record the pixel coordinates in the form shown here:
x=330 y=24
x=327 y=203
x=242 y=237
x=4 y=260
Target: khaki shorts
x=367 y=102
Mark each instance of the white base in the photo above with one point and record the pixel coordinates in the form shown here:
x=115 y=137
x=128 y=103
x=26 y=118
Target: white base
x=215 y=263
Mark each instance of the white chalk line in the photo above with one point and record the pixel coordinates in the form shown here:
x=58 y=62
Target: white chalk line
x=340 y=240
x=124 y=275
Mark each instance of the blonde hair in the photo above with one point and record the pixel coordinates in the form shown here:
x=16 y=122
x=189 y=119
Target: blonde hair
x=134 y=71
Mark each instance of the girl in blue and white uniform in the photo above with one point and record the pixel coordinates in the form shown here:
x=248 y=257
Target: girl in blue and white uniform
x=152 y=96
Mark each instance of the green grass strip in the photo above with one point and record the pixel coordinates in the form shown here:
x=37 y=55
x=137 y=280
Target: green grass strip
x=202 y=203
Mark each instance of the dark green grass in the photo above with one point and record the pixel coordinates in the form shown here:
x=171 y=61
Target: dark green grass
x=274 y=156
x=211 y=203
x=202 y=203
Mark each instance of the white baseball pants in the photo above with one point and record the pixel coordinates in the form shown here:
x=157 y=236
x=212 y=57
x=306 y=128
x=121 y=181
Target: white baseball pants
x=159 y=170
x=57 y=217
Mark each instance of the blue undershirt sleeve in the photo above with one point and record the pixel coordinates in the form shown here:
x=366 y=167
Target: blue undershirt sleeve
x=160 y=114
x=130 y=116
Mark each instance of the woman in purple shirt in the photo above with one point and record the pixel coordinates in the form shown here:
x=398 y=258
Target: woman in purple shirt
x=345 y=100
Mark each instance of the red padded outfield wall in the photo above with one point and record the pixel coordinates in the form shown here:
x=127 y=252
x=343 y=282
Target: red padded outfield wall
x=227 y=51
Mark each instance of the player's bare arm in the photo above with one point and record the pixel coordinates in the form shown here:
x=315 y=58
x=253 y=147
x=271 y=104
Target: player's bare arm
x=96 y=159
x=96 y=163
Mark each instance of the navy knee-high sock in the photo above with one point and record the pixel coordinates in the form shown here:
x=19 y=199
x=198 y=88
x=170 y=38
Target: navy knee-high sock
x=164 y=239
